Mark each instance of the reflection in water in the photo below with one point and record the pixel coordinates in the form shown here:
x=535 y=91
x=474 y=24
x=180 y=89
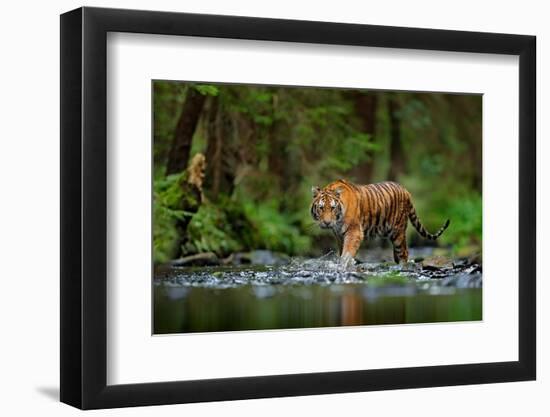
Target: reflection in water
x=180 y=309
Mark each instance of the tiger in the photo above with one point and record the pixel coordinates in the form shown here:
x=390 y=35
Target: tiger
x=354 y=212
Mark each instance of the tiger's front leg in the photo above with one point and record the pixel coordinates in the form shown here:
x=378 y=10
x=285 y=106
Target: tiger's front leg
x=352 y=241
x=339 y=242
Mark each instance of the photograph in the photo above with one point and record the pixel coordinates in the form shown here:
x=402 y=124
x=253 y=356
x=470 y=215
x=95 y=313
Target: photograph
x=286 y=207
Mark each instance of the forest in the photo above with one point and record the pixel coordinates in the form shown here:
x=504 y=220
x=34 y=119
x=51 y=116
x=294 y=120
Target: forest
x=234 y=164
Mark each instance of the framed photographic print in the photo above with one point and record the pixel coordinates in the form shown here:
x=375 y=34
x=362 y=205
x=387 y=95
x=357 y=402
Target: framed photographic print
x=257 y=208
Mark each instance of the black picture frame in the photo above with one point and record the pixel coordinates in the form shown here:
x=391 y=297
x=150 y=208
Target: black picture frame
x=84 y=207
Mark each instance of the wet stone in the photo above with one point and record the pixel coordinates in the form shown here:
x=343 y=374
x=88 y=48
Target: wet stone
x=473 y=269
x=460 y=263
x=438 y=262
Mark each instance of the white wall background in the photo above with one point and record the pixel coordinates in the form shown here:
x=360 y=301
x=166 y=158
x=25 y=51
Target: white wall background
x=29 y=225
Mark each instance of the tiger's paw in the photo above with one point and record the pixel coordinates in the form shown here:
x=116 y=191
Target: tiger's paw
x=346 y=260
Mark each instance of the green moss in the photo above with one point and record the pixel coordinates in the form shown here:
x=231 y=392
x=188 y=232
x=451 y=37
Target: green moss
x=174 y=203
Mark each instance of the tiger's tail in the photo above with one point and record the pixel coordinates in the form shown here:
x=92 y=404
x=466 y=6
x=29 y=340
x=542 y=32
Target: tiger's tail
x=422 y=230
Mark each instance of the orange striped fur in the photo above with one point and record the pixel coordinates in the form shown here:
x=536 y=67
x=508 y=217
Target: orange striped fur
x=354 y=212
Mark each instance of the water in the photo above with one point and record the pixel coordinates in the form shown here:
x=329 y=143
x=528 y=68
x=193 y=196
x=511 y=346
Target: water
x=313 y=293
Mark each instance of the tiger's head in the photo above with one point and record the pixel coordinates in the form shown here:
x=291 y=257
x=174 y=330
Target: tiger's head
x=327 y=208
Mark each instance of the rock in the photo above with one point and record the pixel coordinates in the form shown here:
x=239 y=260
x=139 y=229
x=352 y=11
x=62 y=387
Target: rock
x=473 y=269
x=411 y=267
x=461 y=263
x=437 y=262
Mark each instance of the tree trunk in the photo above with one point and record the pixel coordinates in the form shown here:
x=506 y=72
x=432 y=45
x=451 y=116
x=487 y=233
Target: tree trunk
x=397 y=159
x=280 y=162
x=183 y=136
x=365 y=107
x=220 y=152
x=277 y=159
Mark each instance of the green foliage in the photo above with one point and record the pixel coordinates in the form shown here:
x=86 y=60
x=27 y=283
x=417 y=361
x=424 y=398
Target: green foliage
x=165 y=237
x=353 y=150
x=275 y=230
x=231 y=227
x=167 y=100
x=210 y=230
x=447 y=199
x=207 y=90
x=168 y=192
x=466 y=227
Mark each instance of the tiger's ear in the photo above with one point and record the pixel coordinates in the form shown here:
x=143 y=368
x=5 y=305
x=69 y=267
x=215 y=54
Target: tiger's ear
x=315 y=190
x=339 y=191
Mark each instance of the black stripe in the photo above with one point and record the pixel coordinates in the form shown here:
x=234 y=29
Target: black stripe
x=378 y=204
x=392 y=206
x=395 y=203
x=393 y=209
x=378 y=201
x=386 y=196
x=349 y=185
x=370 y=203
